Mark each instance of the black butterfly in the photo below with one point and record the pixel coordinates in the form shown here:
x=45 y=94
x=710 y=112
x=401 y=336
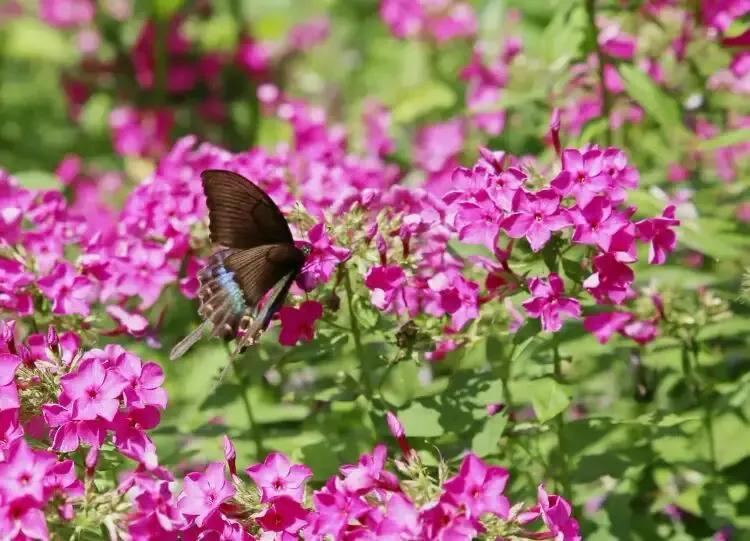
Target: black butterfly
x=258 y=256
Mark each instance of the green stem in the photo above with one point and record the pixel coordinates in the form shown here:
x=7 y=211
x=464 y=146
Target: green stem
x=600 y=60
x=687 y=370
x=243 y=383
x=357 y=336
x=160 y=53
x=707 y=401
x=562 y=444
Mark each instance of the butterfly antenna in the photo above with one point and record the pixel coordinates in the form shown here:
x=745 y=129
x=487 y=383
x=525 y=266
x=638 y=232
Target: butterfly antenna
x=180 y=349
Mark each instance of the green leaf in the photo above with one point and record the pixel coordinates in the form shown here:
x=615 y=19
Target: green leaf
x=30 y=39
x=653 y=99
x=548 y=398
x=422 y=99
x=401 y=383
x=485 y=442
x=573 y=269
x=38 y=180
x=420 y=421
x=724 y=140
x=561 y=39
x=163 y=9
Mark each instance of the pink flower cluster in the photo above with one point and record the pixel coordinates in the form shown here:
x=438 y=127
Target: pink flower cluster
x=366 y=501
x=111 y=396
x=192 y=77
x=102 y=393
x=441 y=20
x=108 y=392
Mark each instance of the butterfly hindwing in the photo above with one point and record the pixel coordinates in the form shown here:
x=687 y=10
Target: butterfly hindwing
x=260 y=268
x=221 y=299
x=241 y=215
x=251 y=327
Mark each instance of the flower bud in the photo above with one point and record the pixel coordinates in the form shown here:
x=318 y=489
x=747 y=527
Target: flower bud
x=230 y=455
x=52 y=338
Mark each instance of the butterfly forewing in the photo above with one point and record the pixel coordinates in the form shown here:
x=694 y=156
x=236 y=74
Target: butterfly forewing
x=240 y=214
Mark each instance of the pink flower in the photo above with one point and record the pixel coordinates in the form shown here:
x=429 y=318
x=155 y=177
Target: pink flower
x=10 y=431
x=535 y=216
x=479 y=488
x=285 y=516
x=140 y=133
x=377 y=121
x=369 y=473
x=442 y=348
x=61 y=480
x=336 y=508
x=299 y=323
x=66 y=13
x=202 y=494
x=720 y=13
x=306 y=35
x=66 y=433
x=94 y=390
x=455 y=295
x=144 y=380
x=386 y=284
x=457 y=21
x=253 y=57
x=22 y=518
x=221 y=528
x=70 y=293
x=485 y=83
x=278 y=477
x=436 y=145
x=616 y=43
x=403 y=17
x=605 y=324
x=156 y=513
x=622 y=177
x=657 y=231
x=640 y=331
x=129 y=322
x=400 y=521
x=24 y=471
x=556 y=514
x=322 y=260
x=597 y=223
x=478 y=220
x=612 y=278
x=446 y=522
x=548 y=303
x=130 y=434
x=582 y=175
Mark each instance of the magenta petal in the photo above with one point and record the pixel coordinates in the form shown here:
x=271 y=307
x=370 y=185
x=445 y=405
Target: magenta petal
x=8 y=365
x=516 y=225
x=562 y=183
x=538 y=235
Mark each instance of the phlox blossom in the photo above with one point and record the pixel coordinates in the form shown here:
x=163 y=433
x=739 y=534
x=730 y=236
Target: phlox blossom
x=549 y=304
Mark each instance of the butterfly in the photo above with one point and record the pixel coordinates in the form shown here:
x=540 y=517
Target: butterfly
x=245 y=282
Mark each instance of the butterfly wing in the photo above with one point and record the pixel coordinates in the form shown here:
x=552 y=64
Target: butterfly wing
x=260 y=268
x=241 y=215
x=251 y=328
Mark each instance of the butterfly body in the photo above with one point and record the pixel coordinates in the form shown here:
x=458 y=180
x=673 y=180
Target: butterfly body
x=246 y=281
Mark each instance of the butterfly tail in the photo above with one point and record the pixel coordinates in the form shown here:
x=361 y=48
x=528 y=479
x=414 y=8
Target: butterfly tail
x=186 y=343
